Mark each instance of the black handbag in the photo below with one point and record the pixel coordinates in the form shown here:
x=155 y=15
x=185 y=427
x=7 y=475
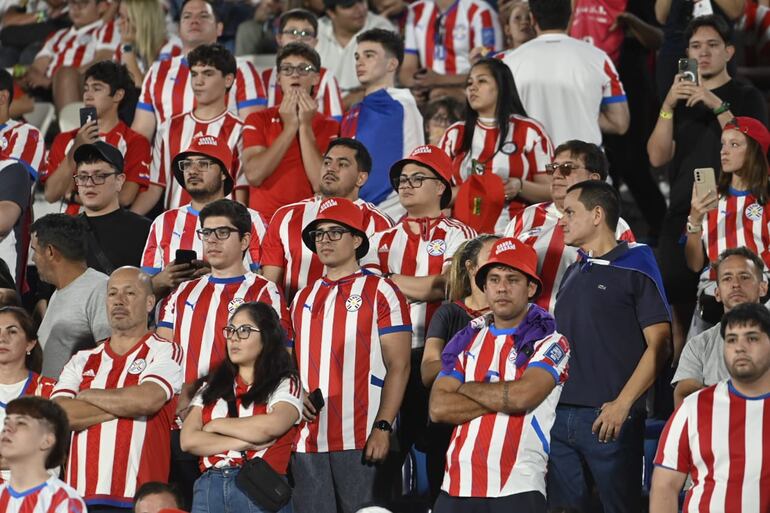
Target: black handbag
x=258 y=481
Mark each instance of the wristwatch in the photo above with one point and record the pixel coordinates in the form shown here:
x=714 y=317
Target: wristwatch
x=693 y=228
x=128 y=48
x=383 y=425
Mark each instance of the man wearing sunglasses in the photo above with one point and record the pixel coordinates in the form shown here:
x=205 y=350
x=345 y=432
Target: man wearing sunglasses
x=352 y=342
x=285 y=143
x=201 y=171
x=196 y=312
x=538 y=225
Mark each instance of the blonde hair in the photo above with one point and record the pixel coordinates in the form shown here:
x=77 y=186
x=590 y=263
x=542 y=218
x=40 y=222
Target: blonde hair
x=149 y=21
x=459 y=280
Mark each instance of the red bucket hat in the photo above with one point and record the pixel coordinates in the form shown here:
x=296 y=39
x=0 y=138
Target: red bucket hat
x=753 y=128
x=341 y=211
x=207 y=146
x=511 y=253
x=434 y=159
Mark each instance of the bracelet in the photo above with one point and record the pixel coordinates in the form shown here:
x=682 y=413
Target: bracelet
x=666 y=115
x=722 y=108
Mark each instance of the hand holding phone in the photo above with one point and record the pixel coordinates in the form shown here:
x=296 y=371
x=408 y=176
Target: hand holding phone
x=316 y=398
x=87 y=114
x=689 y=69
x=705 y=197
x=185 y=256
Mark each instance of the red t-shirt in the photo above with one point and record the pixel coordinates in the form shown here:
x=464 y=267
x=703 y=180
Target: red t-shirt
x=288 y=183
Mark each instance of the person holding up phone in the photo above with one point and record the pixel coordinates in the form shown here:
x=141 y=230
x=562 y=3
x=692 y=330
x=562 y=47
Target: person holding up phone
x=735 y=212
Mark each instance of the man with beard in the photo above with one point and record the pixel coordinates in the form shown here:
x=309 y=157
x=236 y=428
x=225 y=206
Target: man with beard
x=202 y=171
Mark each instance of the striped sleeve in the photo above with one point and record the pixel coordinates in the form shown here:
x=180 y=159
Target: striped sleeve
x=248 y=88
x=612 y=91
x=152 y=257
x=47 y=50
x=392 y=309
x=288 y=391
x=674 y=445
x=108 y=37
x=272 y=245
x=623 y=231
x=329 y=93
x=71 y=376
x=486 y=29
x=165 y=370
x=258 y=230
x=455 y=239
x=542 y=150
x=157 y=171
x=168 y=309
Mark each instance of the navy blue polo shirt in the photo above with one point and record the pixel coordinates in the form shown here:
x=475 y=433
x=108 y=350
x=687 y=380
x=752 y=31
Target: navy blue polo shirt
x=602 y=311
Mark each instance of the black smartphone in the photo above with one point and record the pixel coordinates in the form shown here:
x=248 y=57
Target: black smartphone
x=689 y=68
x=87 y=114
x=316 y=398
x=185 y=256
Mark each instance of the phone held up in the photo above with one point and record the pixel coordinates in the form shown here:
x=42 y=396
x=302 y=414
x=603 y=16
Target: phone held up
x=87 y=114
x=689 y=68
x=705 y=183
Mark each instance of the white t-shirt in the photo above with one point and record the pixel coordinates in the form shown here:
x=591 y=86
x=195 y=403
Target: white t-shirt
x=563 y=83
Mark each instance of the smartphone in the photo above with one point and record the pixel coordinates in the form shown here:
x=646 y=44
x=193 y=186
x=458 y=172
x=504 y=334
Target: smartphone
x=705 y=182
x=185 y=256
x=316 y=398
x=689 y=68
x=87 y=114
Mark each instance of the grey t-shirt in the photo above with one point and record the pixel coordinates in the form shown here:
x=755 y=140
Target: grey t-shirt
x=703 y=359
x=76 y=319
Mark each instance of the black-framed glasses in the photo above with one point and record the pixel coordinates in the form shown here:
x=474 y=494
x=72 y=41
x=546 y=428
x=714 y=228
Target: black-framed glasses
x=242 y=332
x=202 y=164
x=302 y=70
x=565 y=168
x=220 y=232
x=96 y=179
x=334 y=234
x=299 y=34
x=414 y=181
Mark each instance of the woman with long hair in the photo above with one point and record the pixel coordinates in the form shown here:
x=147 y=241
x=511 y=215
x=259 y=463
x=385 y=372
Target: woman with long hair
x=258 y=380
x=738 y=213
x=466 y=302
x=497 y=139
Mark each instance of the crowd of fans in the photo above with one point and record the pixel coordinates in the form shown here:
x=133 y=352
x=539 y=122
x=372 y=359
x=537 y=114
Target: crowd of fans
x=337 y=256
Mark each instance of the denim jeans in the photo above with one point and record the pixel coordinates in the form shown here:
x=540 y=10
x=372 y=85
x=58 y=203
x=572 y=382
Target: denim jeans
x=216 y=492
x=576 y=454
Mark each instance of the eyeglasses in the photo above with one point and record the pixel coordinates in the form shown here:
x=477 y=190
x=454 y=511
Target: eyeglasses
x=202 y=164
x=415 y=181
x=302 y=70
x=565 y=169
x=333 y=234
x=96 y=179
x=221 y=233
x=243 y=331
x=300 y=34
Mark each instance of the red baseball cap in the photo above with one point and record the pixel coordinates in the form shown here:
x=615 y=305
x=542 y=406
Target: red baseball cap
x=434 y=159
x=343 y=212
x=207 y=146
x=511 y=253
x=751 y=128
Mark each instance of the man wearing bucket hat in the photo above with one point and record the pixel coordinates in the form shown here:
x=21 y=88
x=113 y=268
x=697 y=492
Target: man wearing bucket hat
x=613 y=310
x=500 y=382
x=538 y=225
x=415 y=254
x=352 y=339
x=202 y=171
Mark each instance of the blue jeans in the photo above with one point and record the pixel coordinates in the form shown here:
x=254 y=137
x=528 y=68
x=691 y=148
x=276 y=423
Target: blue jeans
x=216 y=492
x=576 y=454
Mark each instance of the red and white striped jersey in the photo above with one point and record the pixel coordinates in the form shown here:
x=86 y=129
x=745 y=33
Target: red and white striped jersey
x=338 y=325
x=289 y=391
x=398 y=250
x=166 y=93
x=737 y=221
x=283 y=246
x=175 y=229
x=722 y=439
x=109 y=461
x=198 y=309
x=497 y=454
x=524 y=154
x=538 y=226
x=24 y=142
x=327 y=94
x=134 y=147
x=175 y=135
x=443 y=41
x=76 y=46
x=53 y=496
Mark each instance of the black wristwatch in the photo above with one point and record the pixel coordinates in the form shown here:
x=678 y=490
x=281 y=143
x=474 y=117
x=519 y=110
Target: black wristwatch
x=128 y=48
x=383 y=425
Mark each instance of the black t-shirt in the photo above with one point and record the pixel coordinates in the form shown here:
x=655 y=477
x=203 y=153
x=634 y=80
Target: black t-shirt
x=602 y=310
x=447 y=321
x=121 y=235
x=698 y=134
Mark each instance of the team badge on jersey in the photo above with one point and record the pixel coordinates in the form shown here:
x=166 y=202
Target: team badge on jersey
x=754 y=212
x=353 y=303
x=460 y=32
x=509 y=148
x=137 y=366
x=234 y=303
x=436 y=247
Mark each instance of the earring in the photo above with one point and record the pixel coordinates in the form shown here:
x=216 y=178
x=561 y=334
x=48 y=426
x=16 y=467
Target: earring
x=29 y=353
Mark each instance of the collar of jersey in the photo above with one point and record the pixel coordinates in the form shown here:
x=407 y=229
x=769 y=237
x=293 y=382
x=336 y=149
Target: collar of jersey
x=736 y=192
x=331 y=283
x=234 y=279
x=17 y=495
x=499 y=331
x=735 y=391
x=192 y=211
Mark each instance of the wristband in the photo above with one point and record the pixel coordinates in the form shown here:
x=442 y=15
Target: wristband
x=666 y=115
x=692 y=227
x=722 y=108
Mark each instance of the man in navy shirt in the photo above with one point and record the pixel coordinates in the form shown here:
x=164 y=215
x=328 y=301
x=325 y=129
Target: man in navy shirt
x=612 y=308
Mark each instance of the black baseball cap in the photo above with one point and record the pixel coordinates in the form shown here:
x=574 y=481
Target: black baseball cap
x=104 y=151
